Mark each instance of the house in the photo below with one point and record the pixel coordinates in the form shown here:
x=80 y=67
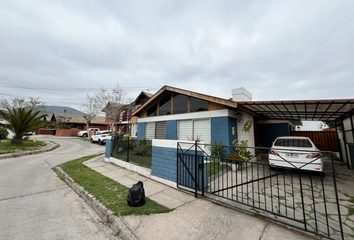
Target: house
x=179 y=114
x=122 y=113
x=77 y=121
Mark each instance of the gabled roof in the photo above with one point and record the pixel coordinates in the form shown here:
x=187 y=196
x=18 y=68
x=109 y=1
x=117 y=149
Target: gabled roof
x=113 y=104
x=78 y=118
x=143 y=95
x=228 y=103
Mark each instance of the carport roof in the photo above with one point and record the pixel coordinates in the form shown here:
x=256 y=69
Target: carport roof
x=310 y=110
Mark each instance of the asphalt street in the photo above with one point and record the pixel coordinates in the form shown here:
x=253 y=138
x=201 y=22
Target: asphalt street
x=36 y=204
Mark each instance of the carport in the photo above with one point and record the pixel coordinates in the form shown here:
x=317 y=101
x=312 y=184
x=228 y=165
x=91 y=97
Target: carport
x=337 y=110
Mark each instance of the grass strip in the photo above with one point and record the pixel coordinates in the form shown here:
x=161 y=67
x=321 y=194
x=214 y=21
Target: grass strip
x=109 y=192
x=27 y=145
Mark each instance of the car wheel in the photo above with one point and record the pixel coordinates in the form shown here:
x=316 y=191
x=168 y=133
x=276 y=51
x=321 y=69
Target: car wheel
x=84 y=135
x=91 y=140
x=99 y=142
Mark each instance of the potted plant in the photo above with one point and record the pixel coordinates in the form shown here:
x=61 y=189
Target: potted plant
x=236 y=161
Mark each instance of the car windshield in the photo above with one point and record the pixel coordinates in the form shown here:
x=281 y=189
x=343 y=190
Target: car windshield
x=289 y=142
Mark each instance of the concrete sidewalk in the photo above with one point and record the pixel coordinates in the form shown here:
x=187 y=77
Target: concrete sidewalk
x=191 y=218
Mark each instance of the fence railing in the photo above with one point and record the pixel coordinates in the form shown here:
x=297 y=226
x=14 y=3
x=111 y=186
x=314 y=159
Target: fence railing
x=132 y=150
x=285 y=192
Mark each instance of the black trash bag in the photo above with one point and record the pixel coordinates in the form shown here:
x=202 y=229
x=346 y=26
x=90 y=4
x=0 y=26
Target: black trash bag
x=136 y=195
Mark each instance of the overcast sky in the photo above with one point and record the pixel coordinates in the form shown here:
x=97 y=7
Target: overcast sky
x=276 y=49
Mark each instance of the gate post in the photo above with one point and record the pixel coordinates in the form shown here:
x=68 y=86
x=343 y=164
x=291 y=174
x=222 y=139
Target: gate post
x=128 y=150
x=195 y=170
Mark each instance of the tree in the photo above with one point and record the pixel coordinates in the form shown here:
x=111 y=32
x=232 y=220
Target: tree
x=21 y=121
x=29 y=104
x=90 y=110
x=111 y=102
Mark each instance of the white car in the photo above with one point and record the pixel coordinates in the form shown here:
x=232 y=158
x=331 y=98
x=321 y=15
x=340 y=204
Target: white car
x=100 y=137
x=84 y=133
x=295 y=152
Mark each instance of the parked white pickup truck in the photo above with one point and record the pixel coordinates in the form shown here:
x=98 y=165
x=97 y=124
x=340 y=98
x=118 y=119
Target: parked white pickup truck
x=84 y=133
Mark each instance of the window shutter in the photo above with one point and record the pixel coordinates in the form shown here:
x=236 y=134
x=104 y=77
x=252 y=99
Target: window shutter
x=185 y=129
x=202 y=130
x=150 y=130
x=160 y=130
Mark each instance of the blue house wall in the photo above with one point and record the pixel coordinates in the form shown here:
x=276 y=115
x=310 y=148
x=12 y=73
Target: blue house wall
x=221 y=130
x=267 y=133
x=171 y=130
x=141 y=130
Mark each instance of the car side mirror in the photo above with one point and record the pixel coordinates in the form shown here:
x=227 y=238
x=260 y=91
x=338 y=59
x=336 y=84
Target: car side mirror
x=318 y=145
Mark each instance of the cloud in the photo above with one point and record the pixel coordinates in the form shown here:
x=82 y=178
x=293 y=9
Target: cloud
x=275 y=49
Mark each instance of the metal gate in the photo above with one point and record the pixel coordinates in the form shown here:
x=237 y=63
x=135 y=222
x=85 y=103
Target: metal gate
x=305 y=200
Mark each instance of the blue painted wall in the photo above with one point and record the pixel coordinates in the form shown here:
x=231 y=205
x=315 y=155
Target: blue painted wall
x=171 y=130
x=221 y=131
x=164 y=163
x=141 y=130
x=109 y=148
x=267 y=133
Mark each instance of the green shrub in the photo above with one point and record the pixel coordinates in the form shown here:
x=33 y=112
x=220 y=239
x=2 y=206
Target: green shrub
x=3 y=133
x=143 y=148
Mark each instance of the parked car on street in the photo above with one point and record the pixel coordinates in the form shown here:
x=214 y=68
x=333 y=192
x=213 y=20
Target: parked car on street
x=295 y=152
x=100 y=137
x=84 y=133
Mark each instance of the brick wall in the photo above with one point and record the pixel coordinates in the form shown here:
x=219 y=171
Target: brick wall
x=46 y=131
x=66 y=132
x=171 y=130
x=141 y=130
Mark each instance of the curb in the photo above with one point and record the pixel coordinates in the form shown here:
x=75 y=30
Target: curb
x=11 y=155
x=117 y=224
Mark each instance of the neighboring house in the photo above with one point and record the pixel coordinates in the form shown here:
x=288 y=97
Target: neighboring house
x=77 y=121
x=123 y=112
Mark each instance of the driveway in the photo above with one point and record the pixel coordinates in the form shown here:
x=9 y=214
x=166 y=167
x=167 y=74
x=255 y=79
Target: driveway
x=36 y=204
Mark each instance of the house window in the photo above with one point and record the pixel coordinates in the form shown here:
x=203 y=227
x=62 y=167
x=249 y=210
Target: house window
x=180 y=103
x=198 y=105
x=155 y=130
x=191 y=130
x=165 y=106
x=134 y=130
x=152 y=111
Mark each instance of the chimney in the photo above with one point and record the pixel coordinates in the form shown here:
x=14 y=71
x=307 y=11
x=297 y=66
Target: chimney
x=241 y=94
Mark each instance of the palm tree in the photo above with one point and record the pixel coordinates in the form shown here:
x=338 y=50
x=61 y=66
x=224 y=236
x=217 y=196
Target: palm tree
x=22 y=121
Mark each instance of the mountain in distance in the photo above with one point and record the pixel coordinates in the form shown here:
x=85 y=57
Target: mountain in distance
x=60 y=109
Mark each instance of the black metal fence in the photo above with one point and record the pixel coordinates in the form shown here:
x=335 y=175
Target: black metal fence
x=301 y=199
x=132 y=150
